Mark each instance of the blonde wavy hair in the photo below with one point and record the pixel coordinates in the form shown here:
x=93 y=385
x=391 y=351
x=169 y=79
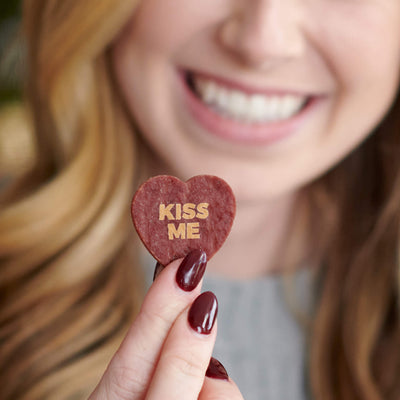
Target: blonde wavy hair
x=68 y=283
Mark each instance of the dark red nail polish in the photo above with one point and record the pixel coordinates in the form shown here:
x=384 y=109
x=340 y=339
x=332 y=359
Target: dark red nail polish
x=203 y=313
x=191 y=270
x=158 y=269
x=216 y=370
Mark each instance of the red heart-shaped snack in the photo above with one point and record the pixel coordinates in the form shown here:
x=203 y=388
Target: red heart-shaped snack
x=174 y=217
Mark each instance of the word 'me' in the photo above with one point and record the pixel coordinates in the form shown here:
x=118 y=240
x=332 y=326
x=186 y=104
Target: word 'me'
x=177 y=212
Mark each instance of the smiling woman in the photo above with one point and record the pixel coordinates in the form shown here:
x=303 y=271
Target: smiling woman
x=267 y=59
x=296 y=105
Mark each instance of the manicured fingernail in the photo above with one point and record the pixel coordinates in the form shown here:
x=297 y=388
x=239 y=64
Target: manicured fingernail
x=216 y=370
x=203 y=313
x=191 y=270
x=158 y=269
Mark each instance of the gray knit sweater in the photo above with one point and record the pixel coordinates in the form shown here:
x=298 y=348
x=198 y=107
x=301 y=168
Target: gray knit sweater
x=260 y=342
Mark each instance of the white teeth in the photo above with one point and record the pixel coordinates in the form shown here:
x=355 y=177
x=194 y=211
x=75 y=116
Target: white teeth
x=242 y=107
x=209 y=91
x=222 y=97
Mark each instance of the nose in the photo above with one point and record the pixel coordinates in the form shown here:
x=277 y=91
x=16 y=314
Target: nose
x=263 y=33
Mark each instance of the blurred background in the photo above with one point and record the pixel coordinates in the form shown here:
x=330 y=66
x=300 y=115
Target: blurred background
x=16 y=141
x=11 y=51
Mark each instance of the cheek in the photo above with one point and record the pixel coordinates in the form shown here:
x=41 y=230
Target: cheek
x=162 y=27
x=365 y=49
x=364 y=58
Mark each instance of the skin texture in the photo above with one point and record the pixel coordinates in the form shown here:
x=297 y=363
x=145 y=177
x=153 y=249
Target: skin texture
x=319 y=47
x=163 y=356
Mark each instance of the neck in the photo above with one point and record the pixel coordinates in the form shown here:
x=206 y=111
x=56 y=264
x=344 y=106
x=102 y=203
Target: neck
x=258 y=240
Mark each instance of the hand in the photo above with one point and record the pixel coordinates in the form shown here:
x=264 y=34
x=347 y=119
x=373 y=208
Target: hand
x=167 y=350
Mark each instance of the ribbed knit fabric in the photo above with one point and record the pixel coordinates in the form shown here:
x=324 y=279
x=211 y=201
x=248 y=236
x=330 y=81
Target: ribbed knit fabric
x=260 y=342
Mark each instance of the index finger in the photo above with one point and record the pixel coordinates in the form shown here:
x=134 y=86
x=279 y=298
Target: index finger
x=131 y=368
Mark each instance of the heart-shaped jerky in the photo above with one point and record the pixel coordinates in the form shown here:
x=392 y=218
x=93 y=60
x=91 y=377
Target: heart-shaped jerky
x=174 y=217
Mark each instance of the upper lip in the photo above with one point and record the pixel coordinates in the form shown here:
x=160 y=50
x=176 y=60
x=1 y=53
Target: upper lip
x=248 y=88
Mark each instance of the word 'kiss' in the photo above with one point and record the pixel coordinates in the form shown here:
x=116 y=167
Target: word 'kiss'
x=184 y=230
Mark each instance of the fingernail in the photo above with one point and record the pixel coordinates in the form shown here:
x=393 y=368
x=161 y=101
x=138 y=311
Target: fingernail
x=158 y=269
x=203 y=313
x=191 y=270
x=216 y=370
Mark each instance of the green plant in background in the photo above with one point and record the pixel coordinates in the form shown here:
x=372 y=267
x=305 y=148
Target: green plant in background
x=11 y=51
x=9 y=9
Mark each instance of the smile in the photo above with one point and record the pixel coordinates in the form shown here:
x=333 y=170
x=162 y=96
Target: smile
x=243 y=107
x=241 y=114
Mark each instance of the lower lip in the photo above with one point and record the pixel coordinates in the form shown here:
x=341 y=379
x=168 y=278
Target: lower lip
x=235 y=131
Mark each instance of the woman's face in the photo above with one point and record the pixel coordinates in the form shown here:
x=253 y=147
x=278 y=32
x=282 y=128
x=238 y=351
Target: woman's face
x=267 y=94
